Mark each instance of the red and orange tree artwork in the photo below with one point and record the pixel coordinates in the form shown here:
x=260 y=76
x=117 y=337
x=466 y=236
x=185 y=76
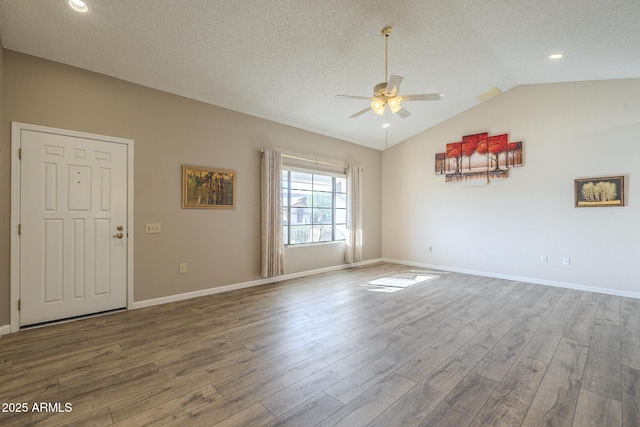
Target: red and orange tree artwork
x=514 y=156
x=454 y=157
x=494 y=148
x=440 y=161
x=470 y=145
x=478 y=155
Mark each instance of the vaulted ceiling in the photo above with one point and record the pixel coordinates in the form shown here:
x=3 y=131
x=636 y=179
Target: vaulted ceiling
x=284 y=60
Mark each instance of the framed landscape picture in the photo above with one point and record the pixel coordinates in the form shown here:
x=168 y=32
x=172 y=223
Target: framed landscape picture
x=601 y=191
x=204 y=187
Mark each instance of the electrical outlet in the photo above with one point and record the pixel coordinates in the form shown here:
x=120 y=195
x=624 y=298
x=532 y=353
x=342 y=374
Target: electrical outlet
x=152 y=228
x=566 y=260
x=183 y=267
x=544 y=259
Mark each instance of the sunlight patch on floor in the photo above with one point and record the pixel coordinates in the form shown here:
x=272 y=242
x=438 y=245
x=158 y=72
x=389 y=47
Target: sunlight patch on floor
x=399 y=281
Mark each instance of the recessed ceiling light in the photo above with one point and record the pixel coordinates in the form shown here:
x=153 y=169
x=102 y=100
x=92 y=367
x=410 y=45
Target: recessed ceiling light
x=78 y=5
x=555 y=56
x=386 y=125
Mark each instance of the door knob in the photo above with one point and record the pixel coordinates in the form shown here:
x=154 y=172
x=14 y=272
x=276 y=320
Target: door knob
x=118 y=236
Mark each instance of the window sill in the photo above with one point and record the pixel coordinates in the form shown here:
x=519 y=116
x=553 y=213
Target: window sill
x=307 y=245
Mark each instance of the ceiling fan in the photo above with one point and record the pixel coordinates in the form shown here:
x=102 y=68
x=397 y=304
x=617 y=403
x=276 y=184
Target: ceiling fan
x=386 y=93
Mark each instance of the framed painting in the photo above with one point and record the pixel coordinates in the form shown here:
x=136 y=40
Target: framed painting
x=601 y=191
x=204 y=187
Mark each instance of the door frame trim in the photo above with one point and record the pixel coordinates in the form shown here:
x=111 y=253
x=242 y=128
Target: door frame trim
x=16 y=131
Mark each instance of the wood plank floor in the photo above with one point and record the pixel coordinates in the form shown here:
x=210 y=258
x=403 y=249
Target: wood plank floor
x=323 y=350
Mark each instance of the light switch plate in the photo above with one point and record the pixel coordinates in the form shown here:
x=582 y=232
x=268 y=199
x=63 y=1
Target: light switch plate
x=152 y=228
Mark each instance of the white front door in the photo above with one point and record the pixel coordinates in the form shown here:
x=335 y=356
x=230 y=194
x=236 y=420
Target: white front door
x=73 y=226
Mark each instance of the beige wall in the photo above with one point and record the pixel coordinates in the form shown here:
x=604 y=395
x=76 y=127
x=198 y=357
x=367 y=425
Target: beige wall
x=570 y=130
x=221 y=247
x=5 y=209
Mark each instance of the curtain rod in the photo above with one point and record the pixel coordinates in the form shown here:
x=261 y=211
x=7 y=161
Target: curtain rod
x=311 y=161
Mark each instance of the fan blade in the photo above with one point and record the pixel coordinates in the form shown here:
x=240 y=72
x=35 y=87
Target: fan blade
x=359 y=113
x=403 y=113
x=424 y=97
x=393 y=85
x=354 y=97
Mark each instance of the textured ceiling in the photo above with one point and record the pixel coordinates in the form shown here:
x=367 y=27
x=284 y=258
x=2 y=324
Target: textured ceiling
x=284 y=60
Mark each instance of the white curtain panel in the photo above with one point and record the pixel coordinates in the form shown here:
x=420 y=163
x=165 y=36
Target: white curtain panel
x=271 y=214
x=354 y=215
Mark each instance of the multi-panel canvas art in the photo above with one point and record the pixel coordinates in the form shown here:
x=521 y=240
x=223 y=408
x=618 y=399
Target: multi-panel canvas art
x=478 y=158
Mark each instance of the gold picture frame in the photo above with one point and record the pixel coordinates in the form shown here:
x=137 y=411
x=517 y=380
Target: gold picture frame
x=599 y=191
x=208 y=188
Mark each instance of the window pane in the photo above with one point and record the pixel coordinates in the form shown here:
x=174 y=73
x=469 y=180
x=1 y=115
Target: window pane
x=285 y=197
x=300 y=234
x=285 y=235
x=321 y=200
x=341 y=232
x=300 y=199
x=341 y=201
x=301 y=180
x=322 y=216
x=341 y=216
x=341 y=185
x=322 y=183
x=300 y=216
x=321 y=233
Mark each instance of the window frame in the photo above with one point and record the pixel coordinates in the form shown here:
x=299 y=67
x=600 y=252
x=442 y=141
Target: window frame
x=334 y=194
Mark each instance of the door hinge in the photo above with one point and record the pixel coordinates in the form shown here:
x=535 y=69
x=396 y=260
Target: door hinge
x=20 y=153
x=19 y=229
x=19 y=304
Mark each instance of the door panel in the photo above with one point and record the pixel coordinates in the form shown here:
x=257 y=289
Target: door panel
x=73 y=204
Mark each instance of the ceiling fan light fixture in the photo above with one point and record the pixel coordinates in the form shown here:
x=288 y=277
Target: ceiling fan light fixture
x=377 y=105
x=387 y=92
x=379 y=111
x=395 y=109
x=394 y=104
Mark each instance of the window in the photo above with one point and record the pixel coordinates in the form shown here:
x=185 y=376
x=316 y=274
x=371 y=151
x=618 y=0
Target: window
x=314 y=207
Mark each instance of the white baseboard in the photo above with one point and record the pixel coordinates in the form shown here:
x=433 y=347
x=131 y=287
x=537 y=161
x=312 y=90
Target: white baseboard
x=534 y=280
x=5 y=329
x=243 y=285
